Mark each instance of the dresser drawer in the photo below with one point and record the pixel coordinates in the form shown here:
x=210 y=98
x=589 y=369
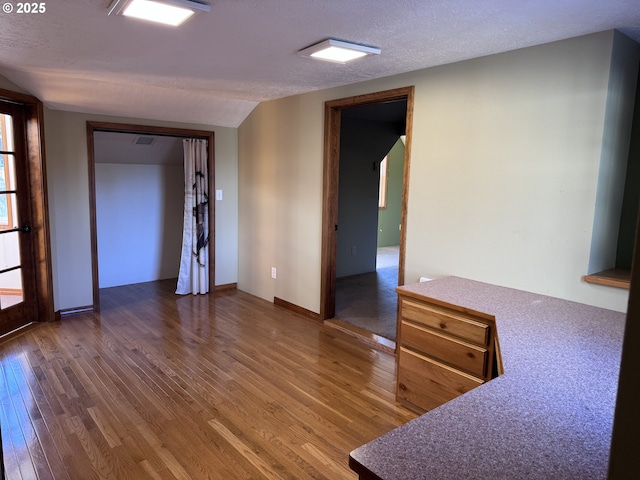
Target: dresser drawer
x=447 y=321
x=428 y=384
x=450 y=350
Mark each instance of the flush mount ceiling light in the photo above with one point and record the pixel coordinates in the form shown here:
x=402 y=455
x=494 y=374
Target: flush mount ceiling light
x=168 y=12
x=338 y=51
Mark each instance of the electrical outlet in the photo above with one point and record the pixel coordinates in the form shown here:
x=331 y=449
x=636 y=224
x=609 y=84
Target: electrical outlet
x=273 y=272
x=218 y=194
x=353 y=250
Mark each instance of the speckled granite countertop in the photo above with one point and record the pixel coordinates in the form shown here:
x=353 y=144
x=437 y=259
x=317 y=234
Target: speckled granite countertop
x=549 y=416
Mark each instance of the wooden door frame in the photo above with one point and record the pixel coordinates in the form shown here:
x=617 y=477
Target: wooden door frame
x=332 y=111
x=623 y=456
x=93 y=127
x=37 y=178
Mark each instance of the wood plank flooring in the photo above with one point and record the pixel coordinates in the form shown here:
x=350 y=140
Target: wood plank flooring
x=159 y=386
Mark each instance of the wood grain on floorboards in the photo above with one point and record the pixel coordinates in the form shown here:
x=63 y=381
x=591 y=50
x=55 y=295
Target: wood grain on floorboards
x=159 y=386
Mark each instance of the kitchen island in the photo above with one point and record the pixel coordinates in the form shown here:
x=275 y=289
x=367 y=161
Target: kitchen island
x=548 y=416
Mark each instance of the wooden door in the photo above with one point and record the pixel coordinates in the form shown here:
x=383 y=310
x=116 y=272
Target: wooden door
x=18 y=302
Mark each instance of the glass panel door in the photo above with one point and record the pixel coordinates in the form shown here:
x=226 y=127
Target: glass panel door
x=11 y=292
x=16 y=260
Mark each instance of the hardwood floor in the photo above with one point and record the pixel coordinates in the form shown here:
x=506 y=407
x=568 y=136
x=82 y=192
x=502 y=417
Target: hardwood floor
x=159 y=386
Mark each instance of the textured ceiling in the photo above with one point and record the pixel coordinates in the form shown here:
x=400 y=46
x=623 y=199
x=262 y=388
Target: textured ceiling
x=217 y=67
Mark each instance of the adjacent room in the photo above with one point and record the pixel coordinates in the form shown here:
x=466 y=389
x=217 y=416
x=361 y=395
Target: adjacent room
x=370 y=212
x=423 y=245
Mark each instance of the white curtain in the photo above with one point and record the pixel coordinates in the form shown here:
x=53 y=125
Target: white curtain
x=194 y=262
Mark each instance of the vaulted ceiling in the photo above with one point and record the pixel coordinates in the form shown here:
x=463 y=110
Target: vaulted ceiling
x=218 y=66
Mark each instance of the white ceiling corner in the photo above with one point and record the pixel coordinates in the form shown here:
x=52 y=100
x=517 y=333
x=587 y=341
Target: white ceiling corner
x=218 y=66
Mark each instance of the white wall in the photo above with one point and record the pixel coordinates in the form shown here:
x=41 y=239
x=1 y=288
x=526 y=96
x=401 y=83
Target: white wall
x=139 y=210
x=505 y=158
x=623 y=78
x=68 y=194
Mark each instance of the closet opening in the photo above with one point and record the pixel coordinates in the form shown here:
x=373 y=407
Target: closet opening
x=136 y=183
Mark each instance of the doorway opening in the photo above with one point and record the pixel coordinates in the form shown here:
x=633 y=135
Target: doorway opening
x=359 y=133
x=96 y=133
x=139 y=207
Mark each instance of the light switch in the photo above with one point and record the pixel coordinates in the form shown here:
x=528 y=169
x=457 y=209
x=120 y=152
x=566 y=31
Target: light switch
x=218 y=194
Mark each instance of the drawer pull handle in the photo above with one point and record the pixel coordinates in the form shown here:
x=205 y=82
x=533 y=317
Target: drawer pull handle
x=402 y=386
x=443 y=325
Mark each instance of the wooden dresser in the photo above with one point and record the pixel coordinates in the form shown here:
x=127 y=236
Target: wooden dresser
x=444 y=351
x=549 y=414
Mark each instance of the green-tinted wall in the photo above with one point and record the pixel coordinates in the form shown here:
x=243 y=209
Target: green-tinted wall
x=389 y=217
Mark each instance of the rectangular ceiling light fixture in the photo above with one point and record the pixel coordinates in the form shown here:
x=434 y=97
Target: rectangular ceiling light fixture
x=338 y=51
x=167 y=12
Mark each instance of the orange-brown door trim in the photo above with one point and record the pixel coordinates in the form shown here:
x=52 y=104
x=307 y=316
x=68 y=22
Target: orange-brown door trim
x=332 y=111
